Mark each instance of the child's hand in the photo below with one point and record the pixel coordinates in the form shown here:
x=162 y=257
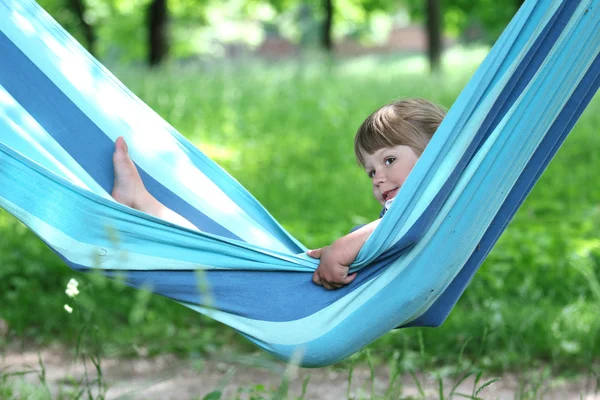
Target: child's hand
x=333 y=269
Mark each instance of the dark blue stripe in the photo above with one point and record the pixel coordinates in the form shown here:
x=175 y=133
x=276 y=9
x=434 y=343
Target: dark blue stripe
x=261 y=295
x=569 y=115
x=510 y=93
x=77 y=134
x=529 y=66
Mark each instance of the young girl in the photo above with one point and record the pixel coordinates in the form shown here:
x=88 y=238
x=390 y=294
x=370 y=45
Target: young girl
x=387 y=145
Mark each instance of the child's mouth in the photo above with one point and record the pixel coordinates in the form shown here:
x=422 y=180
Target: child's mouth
x=390 y=194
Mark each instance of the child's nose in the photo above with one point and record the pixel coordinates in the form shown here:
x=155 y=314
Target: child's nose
x=379 y=177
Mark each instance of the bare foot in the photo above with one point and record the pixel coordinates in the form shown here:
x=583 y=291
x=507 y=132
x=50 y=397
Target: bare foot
x=128 y=188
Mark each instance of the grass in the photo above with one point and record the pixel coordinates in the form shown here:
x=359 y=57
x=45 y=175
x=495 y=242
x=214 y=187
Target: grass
x=285 y=132
x=289 y=382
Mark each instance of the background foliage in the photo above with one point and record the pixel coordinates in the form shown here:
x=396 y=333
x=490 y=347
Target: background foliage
x=203 y=27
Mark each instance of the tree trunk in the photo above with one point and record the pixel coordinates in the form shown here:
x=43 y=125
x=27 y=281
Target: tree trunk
x=327 y=26
x=434 y=34
x=78 y=7
x=158 y=44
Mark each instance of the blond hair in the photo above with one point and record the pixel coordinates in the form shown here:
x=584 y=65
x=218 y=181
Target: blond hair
x=410 y=122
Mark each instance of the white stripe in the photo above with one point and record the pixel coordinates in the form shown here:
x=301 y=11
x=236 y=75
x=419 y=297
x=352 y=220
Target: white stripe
x=37 y=145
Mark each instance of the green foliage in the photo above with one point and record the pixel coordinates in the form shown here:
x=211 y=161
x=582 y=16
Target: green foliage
x=285 y=132
x=118 y=24
x=204 y=27
x=357 y=18
x=488 y=16
x=121 y=26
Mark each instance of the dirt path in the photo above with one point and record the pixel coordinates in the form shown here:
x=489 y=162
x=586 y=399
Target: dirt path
x=166 y=377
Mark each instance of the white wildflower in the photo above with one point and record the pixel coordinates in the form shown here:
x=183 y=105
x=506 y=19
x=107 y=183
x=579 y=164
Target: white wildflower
x=72 y=290
x=68 y=309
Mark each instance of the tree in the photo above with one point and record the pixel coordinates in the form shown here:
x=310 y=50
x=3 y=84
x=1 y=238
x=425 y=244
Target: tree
x=355 y=13
x=491 y=15
x=74 y=16
x=434 y=34
x=328 y=26
x=158 y=43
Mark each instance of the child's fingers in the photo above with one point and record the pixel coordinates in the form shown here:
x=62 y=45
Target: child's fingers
x=323 y=281
x=329 y=279
x=349 y=278
x=330 y=285
x=315 y=253
x=317 y=278
x=337 y=282
x=340 y=277
x=333 y=281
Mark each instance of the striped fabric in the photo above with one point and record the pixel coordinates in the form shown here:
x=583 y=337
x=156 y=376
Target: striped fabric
x=61 y=111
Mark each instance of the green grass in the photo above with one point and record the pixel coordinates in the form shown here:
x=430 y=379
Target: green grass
x=285 y=132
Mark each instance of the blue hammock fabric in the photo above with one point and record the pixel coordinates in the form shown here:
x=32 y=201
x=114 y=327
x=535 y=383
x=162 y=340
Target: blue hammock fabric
x=61 y=111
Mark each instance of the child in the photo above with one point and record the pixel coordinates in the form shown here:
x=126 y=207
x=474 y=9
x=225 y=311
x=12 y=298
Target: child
x=387 y=145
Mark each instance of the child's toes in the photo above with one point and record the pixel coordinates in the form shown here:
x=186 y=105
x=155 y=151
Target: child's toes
x=123 y=144
x=120 y=156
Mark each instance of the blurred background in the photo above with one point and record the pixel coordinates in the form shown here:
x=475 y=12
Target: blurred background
x=187 y=31
x=274 y=92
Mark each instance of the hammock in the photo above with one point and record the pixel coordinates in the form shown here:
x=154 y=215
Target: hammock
x=61 y=111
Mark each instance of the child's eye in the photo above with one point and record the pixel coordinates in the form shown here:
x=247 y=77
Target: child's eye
x=371 y=174
x=390 y=160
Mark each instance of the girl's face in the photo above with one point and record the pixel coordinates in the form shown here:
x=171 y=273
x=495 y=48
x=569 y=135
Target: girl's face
x=388 y=168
